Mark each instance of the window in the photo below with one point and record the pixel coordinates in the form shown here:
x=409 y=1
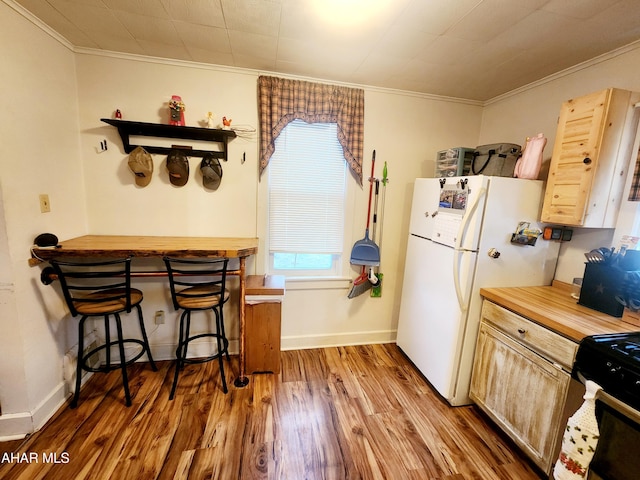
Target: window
x=306 y=211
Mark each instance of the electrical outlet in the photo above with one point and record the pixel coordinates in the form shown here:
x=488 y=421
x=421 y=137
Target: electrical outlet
x=45 y=206
x=159 y=317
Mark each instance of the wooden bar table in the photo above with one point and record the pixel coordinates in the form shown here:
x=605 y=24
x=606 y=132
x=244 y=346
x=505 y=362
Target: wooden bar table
x=112 y=246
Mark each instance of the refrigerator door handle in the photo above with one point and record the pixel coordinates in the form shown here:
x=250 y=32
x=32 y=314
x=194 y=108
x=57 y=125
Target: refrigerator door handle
x=464 y=225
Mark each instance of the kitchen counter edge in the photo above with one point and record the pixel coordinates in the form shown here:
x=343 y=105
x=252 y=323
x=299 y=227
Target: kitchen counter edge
x=554 y=308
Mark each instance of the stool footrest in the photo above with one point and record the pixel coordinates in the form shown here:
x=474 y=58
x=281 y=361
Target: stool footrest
x=112 y=366
x=182 y=345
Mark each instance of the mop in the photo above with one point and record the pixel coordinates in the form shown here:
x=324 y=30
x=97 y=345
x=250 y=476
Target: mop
x=376 y=291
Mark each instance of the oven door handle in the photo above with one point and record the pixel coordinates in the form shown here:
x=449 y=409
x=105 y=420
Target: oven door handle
x=614 y=403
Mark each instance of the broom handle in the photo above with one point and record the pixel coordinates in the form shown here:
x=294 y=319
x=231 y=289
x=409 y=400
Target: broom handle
x=373 y=163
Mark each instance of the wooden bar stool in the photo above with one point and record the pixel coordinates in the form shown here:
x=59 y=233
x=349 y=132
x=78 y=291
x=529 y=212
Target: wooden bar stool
x=198 y=285
x=102 y=289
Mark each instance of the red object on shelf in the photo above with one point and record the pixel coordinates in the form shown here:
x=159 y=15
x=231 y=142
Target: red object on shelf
x=176 y=111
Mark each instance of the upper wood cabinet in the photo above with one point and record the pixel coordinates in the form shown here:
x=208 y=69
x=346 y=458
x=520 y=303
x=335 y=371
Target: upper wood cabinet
x=590 y=159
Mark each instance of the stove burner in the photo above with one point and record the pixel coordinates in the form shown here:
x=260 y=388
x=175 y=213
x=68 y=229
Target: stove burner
x=613 y=362
x=630 y=348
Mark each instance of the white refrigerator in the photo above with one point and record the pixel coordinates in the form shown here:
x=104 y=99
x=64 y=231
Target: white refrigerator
x=460 y=240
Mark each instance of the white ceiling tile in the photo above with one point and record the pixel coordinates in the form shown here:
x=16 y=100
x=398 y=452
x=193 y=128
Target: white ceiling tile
x=578 y=8
x=203 y=37
x=59 y=23
x=92 y=19
x=539 y=26
x=162 y=50
x=489 y=19
x=208 y=56
x=403 y=42
x=447 y=50
x=116 y=43
x=303 y=52
x=199 y=12
x=158 y=30
x=252 y=16
x=254 y=63
x=254 y=45
x=151 y=8
x=619 y=21
x=434 y=16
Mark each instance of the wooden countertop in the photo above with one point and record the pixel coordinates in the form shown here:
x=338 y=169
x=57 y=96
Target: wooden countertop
x=265 y=284
x=150 y=246
x=554 y=308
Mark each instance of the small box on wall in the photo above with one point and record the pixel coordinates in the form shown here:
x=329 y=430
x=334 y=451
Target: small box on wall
x=600 y=285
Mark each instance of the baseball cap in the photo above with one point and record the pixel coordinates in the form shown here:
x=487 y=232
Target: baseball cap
x=211 y=172
x=178 y=167
x=141 y=164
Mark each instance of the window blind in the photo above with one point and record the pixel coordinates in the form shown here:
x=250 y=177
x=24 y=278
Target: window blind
x=307 y=175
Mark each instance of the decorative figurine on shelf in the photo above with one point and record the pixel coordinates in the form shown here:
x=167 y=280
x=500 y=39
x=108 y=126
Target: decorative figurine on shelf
x=226 y=124
x=210 y=120
x=176 y=111
x=118 y=114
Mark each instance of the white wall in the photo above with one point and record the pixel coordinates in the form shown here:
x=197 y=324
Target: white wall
x=536 y=109
x=39 y=153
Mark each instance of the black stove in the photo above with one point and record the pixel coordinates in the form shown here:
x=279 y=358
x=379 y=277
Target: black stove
x=613 y=362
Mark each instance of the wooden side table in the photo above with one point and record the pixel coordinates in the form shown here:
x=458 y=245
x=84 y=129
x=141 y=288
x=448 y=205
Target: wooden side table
x=263 y=302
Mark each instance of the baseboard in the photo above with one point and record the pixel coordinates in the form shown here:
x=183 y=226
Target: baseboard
x=301 y=342
x=14 y=426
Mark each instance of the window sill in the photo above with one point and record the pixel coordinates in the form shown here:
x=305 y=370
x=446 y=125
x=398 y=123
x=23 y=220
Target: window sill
x=318 y=283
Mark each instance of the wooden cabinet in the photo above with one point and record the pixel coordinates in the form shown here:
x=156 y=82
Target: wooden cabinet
x=521 y=381
x=590 y=159
x=263 y=316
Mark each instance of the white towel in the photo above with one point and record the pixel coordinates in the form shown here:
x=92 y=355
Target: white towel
x=580 y=439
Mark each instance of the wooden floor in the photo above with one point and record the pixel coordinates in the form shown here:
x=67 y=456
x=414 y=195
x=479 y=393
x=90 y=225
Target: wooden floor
x=336 y=413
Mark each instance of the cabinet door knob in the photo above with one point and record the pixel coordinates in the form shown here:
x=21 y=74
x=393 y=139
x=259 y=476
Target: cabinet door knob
x=522 y=331
x=586 y=161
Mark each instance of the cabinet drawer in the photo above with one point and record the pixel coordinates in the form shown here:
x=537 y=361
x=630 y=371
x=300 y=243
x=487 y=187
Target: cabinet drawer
x=540 y=339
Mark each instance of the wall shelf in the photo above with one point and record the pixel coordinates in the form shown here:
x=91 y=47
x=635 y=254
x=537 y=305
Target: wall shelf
x=126 y=129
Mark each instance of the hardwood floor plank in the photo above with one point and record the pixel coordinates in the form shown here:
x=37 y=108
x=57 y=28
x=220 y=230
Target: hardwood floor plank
x=357 y=412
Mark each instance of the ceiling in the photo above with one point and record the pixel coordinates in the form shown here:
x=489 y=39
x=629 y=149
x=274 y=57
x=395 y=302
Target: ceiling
x=472 y=49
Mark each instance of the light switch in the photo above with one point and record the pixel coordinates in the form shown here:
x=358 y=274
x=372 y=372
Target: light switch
x=45 y=206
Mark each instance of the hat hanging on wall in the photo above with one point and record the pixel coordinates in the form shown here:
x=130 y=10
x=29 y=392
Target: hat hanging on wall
x=141 y=164
x=178 y=167
x=211 y=172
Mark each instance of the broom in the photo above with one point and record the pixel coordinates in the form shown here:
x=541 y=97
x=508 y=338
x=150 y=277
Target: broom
x=360 y=285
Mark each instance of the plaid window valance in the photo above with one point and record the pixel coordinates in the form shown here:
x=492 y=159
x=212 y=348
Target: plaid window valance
x=281 y=101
